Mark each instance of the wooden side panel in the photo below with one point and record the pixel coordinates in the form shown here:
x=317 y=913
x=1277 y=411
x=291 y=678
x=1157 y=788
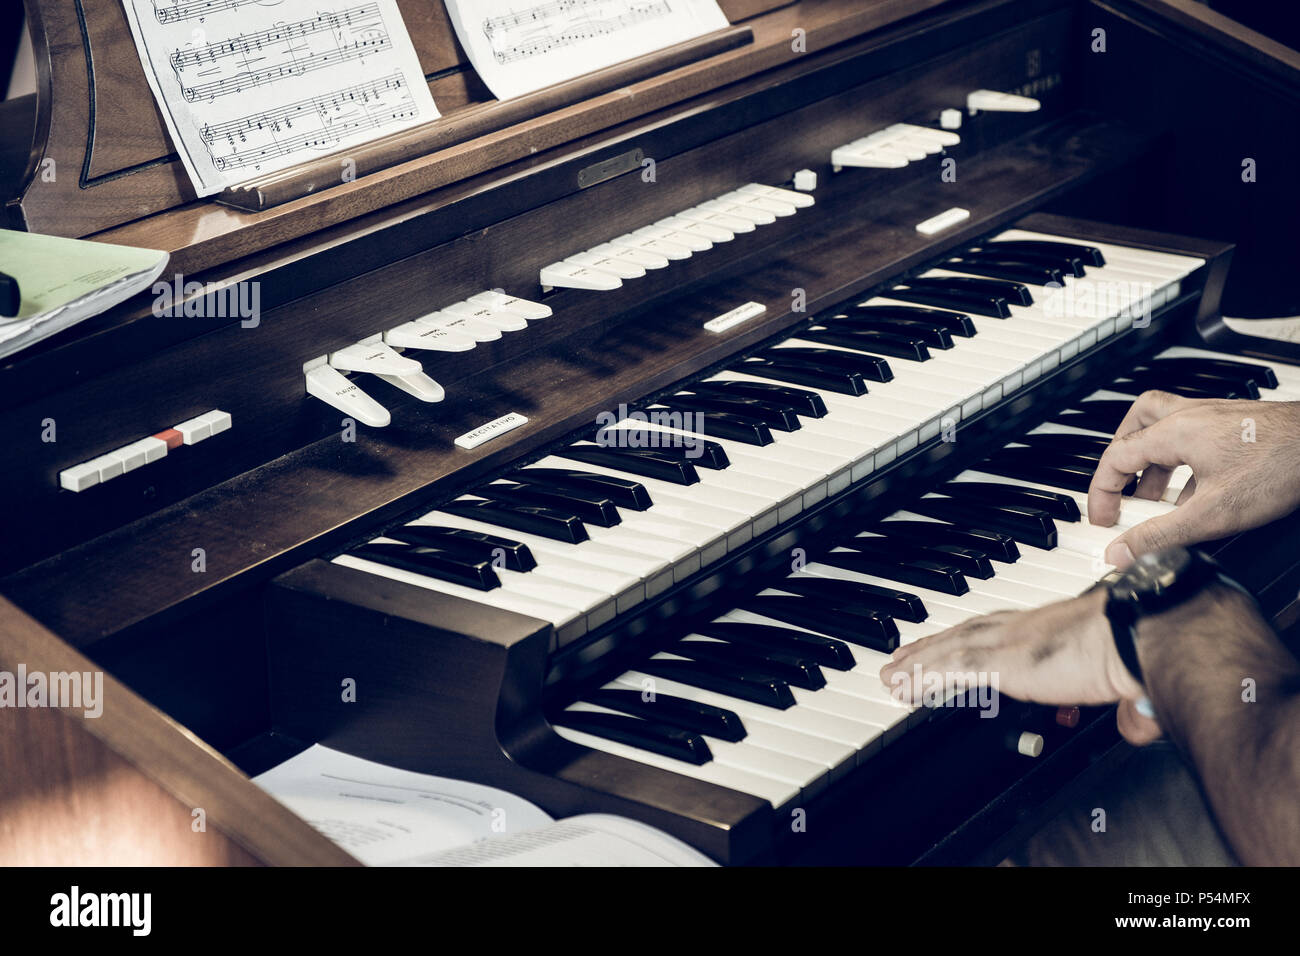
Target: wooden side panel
x=122 y=787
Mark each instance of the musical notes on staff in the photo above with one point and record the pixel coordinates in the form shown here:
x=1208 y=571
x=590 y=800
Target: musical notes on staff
x=174 y=11
x=317 y=123
x=251 y=87
x=518 y=47
x=250 y=60
x=564 y=23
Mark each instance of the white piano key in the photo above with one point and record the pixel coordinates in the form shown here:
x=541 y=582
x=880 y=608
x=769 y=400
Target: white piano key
x=775 y=792
x=864 y=738
x=569 y=624
x=746 y=755
x=655 y=571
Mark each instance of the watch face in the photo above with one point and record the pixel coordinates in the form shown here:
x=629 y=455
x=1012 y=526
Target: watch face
x=1153 y=575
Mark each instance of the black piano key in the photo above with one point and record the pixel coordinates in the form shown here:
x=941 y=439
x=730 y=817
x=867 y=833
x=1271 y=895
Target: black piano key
x=674 y=711
x=1015 y=293
x=700 y=452
x=869 y=558
x=870 y=367
x=1079 y=457
x=531 y=519
x=743 y=684
x=969 y=561
x=876 y=631
x=800 y=373
x=624 y=492
x=1098 y=415
x=1137 y=382
x=1027 y=525
x=658 y=738
x=514 y=555
x=774 y=414
x=444 y=565
x=955 y=322
x=934 y=336
x=1089 y=255
x=826 y=651
x=994 y=307
x=997 y=545
x=1067 y=265
x=1006 y=268
x=794 y=670
x=1087 y=446
x=857 y=595
x=912 y=349
x=591 y=507
x=1261 y=375
x=1071 y=477
x=646 y=462
x=801 y=400
x=1059 y=506
x=748 y=431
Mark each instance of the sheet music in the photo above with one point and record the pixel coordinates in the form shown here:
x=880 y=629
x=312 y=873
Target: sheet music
x=250 y=87
x=383 y=815
x=1286 y=329
x=519 y=46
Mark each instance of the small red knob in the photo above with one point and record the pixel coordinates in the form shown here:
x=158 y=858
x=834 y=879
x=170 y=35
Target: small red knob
x=1067 y=716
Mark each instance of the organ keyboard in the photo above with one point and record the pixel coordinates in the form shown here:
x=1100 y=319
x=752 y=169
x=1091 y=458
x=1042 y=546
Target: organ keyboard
x=618 y=491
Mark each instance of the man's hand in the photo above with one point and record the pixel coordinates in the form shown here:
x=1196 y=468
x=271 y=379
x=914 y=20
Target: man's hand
x=1059 y=654
x=1245 y=461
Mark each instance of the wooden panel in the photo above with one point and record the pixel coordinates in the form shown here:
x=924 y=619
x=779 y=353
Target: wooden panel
x=121 y=788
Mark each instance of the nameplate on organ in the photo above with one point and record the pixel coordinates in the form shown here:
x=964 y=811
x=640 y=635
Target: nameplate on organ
x=612 y=435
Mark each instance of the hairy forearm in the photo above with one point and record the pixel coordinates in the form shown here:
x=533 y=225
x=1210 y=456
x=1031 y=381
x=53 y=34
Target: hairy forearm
x=1227 y=693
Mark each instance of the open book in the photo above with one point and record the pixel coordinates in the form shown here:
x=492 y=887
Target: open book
x=389 y=817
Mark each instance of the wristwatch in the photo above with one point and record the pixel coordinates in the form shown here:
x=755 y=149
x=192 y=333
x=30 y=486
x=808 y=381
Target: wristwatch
x=1154 y=583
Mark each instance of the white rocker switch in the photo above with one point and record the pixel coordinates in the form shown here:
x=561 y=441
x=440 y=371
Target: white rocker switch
x=431 y=338
x=497 y=318
x=332 y=387
x=570 y=275
x=419 y=385
x=512 y=303
x=993 y=101
x=372 y=355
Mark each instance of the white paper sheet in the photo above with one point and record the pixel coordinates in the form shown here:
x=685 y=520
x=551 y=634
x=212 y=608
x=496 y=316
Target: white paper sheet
x=248 y=88
x=382 y=815
x=1282 y=329
x=593 y=839
x=519 y=46
x=389 y=817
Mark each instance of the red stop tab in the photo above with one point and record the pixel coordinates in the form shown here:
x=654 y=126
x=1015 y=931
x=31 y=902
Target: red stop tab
x=172 y=437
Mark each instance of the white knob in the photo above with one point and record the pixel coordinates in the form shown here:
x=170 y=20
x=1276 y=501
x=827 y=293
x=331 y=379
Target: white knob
x=1030 y=744
x=805 y=180
x=950 y=119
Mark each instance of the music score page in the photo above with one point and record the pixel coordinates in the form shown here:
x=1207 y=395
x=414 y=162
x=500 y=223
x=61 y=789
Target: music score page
x=250 y=87
x=518 y=46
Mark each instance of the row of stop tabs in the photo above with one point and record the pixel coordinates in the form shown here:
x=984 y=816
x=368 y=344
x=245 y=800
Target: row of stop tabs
x=143 y=452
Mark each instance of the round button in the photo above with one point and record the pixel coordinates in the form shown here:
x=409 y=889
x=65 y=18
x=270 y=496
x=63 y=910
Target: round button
x=1030 y=744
